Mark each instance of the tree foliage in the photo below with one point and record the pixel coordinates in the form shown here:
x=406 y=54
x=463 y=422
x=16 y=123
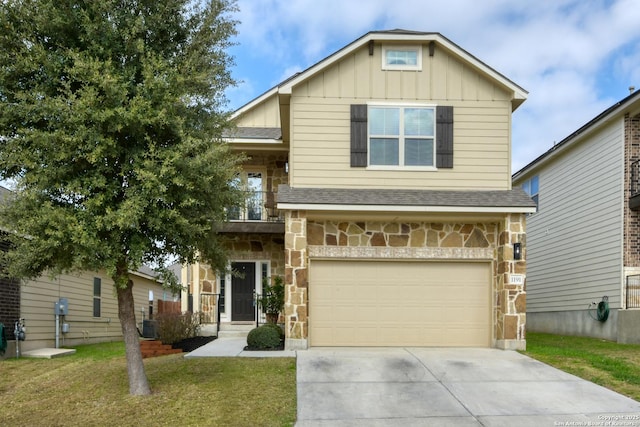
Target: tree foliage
x=111 y=118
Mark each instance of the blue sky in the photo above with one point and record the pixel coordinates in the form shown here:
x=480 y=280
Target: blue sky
x=575 y=57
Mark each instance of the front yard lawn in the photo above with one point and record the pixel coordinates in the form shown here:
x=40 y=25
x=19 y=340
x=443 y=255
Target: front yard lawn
x=612 y=365
x=90 y=388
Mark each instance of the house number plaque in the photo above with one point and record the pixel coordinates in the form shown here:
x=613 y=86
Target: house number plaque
x=516 y=279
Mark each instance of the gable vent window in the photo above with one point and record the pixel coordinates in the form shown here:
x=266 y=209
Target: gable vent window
x=402 y=58
x=401 y=136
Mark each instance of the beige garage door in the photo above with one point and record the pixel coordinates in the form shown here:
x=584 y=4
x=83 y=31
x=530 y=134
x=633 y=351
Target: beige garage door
x=378 y=303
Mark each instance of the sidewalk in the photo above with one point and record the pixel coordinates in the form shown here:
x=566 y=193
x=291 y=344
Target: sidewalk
x=234 y=347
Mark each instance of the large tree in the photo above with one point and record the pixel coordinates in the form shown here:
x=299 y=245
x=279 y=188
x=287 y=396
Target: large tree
x=111 y=117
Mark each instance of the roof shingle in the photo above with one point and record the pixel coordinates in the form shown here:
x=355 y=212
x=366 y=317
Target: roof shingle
x=515 y=198
x=255 y=133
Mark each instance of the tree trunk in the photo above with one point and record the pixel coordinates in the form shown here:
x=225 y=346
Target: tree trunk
x=138 y=384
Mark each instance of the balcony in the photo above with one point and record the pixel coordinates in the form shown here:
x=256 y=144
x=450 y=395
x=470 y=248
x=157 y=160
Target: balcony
x=258 y=214
x=634 y=187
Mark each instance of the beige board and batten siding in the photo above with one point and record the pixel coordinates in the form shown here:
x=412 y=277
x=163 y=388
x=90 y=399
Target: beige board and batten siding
x=321 y=123
x=574 y=251
x=264 y=114
x=37 y=299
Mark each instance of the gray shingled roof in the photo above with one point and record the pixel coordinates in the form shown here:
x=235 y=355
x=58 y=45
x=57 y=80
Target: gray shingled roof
x=255 y=133
x=147 y=270
x=4 y=193
x=515 y=198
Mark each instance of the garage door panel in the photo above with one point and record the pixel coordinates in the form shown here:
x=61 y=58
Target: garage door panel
x=399 y=303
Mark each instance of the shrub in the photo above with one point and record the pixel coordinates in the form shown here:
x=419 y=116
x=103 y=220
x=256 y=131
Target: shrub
x=173 y=327
x=272 y=299
x=263 y=338
x=276 y=328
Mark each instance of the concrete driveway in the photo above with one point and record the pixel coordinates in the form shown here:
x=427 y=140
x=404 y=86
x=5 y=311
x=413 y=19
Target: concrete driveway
x=448 y=387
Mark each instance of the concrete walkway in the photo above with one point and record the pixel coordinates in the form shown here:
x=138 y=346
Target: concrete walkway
x=234 y=347
x=448 y=387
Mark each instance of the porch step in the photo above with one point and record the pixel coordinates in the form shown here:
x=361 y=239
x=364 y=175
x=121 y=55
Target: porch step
x=235 y=330
x=153 y=348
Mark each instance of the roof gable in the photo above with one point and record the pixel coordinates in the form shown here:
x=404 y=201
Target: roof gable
x=630 y=105
x=518 y=94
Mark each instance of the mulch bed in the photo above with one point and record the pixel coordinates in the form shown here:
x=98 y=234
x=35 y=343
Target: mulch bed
x=190 y=344
x=279 y=348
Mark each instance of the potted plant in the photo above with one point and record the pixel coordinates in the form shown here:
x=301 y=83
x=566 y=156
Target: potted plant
x=272 y=299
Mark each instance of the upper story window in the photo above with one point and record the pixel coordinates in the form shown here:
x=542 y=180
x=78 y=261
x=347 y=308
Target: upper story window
x=402 y=58
x=252 y=183
x=530 y=186
x=401 y=136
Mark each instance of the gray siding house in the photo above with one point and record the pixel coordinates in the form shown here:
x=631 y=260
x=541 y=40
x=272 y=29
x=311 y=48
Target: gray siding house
x=583 y=241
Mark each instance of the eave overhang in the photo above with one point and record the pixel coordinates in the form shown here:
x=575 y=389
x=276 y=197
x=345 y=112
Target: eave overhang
x=407 y=201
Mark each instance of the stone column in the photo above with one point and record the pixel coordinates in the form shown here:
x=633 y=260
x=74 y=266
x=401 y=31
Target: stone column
x=510 y=298
x=295 y=279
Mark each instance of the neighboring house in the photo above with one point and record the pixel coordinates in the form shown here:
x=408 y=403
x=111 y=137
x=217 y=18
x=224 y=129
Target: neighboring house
x=91 y=306
x=379 y=188
x=583 y=243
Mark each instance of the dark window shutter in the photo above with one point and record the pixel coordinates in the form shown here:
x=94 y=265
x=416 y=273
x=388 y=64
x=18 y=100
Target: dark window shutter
x=359 y=135
x=444 y=136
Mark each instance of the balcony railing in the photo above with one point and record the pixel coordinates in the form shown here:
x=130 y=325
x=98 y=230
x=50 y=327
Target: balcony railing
x=632 y=291
x=258 y=206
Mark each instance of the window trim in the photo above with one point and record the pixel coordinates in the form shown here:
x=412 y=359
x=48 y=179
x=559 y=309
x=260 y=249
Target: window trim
x=244 y=180
x=222 y=292
x=534 y=196
x=358 y=138
x=401 y=67
x=402 y=137
x=97 y=298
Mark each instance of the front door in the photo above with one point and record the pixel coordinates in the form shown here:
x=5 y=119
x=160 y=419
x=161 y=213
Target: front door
x=242 y=289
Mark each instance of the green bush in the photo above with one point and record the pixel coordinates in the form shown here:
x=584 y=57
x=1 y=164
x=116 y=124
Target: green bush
x=263 y=338
x=272 y=299
x=173 y=327
x=276 y=328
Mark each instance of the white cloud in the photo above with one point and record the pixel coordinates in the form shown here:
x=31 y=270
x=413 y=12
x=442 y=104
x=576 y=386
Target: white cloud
x=575 y=57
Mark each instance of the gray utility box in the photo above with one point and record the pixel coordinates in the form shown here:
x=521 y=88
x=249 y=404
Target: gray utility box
x=61 y=307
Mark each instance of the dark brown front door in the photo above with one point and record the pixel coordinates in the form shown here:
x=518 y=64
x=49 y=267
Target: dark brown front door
x=242 y=289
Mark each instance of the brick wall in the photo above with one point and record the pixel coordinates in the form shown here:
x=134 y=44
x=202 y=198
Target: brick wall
x=631 y=218
x=9 y=300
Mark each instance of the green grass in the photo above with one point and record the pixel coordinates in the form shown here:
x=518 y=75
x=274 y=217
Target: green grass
x=91 y=388
x=612 y=365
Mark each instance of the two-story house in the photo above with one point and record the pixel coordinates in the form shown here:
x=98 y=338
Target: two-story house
x=583 y=243
x=379 y=188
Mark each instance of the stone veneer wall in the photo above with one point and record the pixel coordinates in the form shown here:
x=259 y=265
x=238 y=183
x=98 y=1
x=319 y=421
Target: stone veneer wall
x=245 y=247
x=511 y=299
x=391 y=240
x=295 y=279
